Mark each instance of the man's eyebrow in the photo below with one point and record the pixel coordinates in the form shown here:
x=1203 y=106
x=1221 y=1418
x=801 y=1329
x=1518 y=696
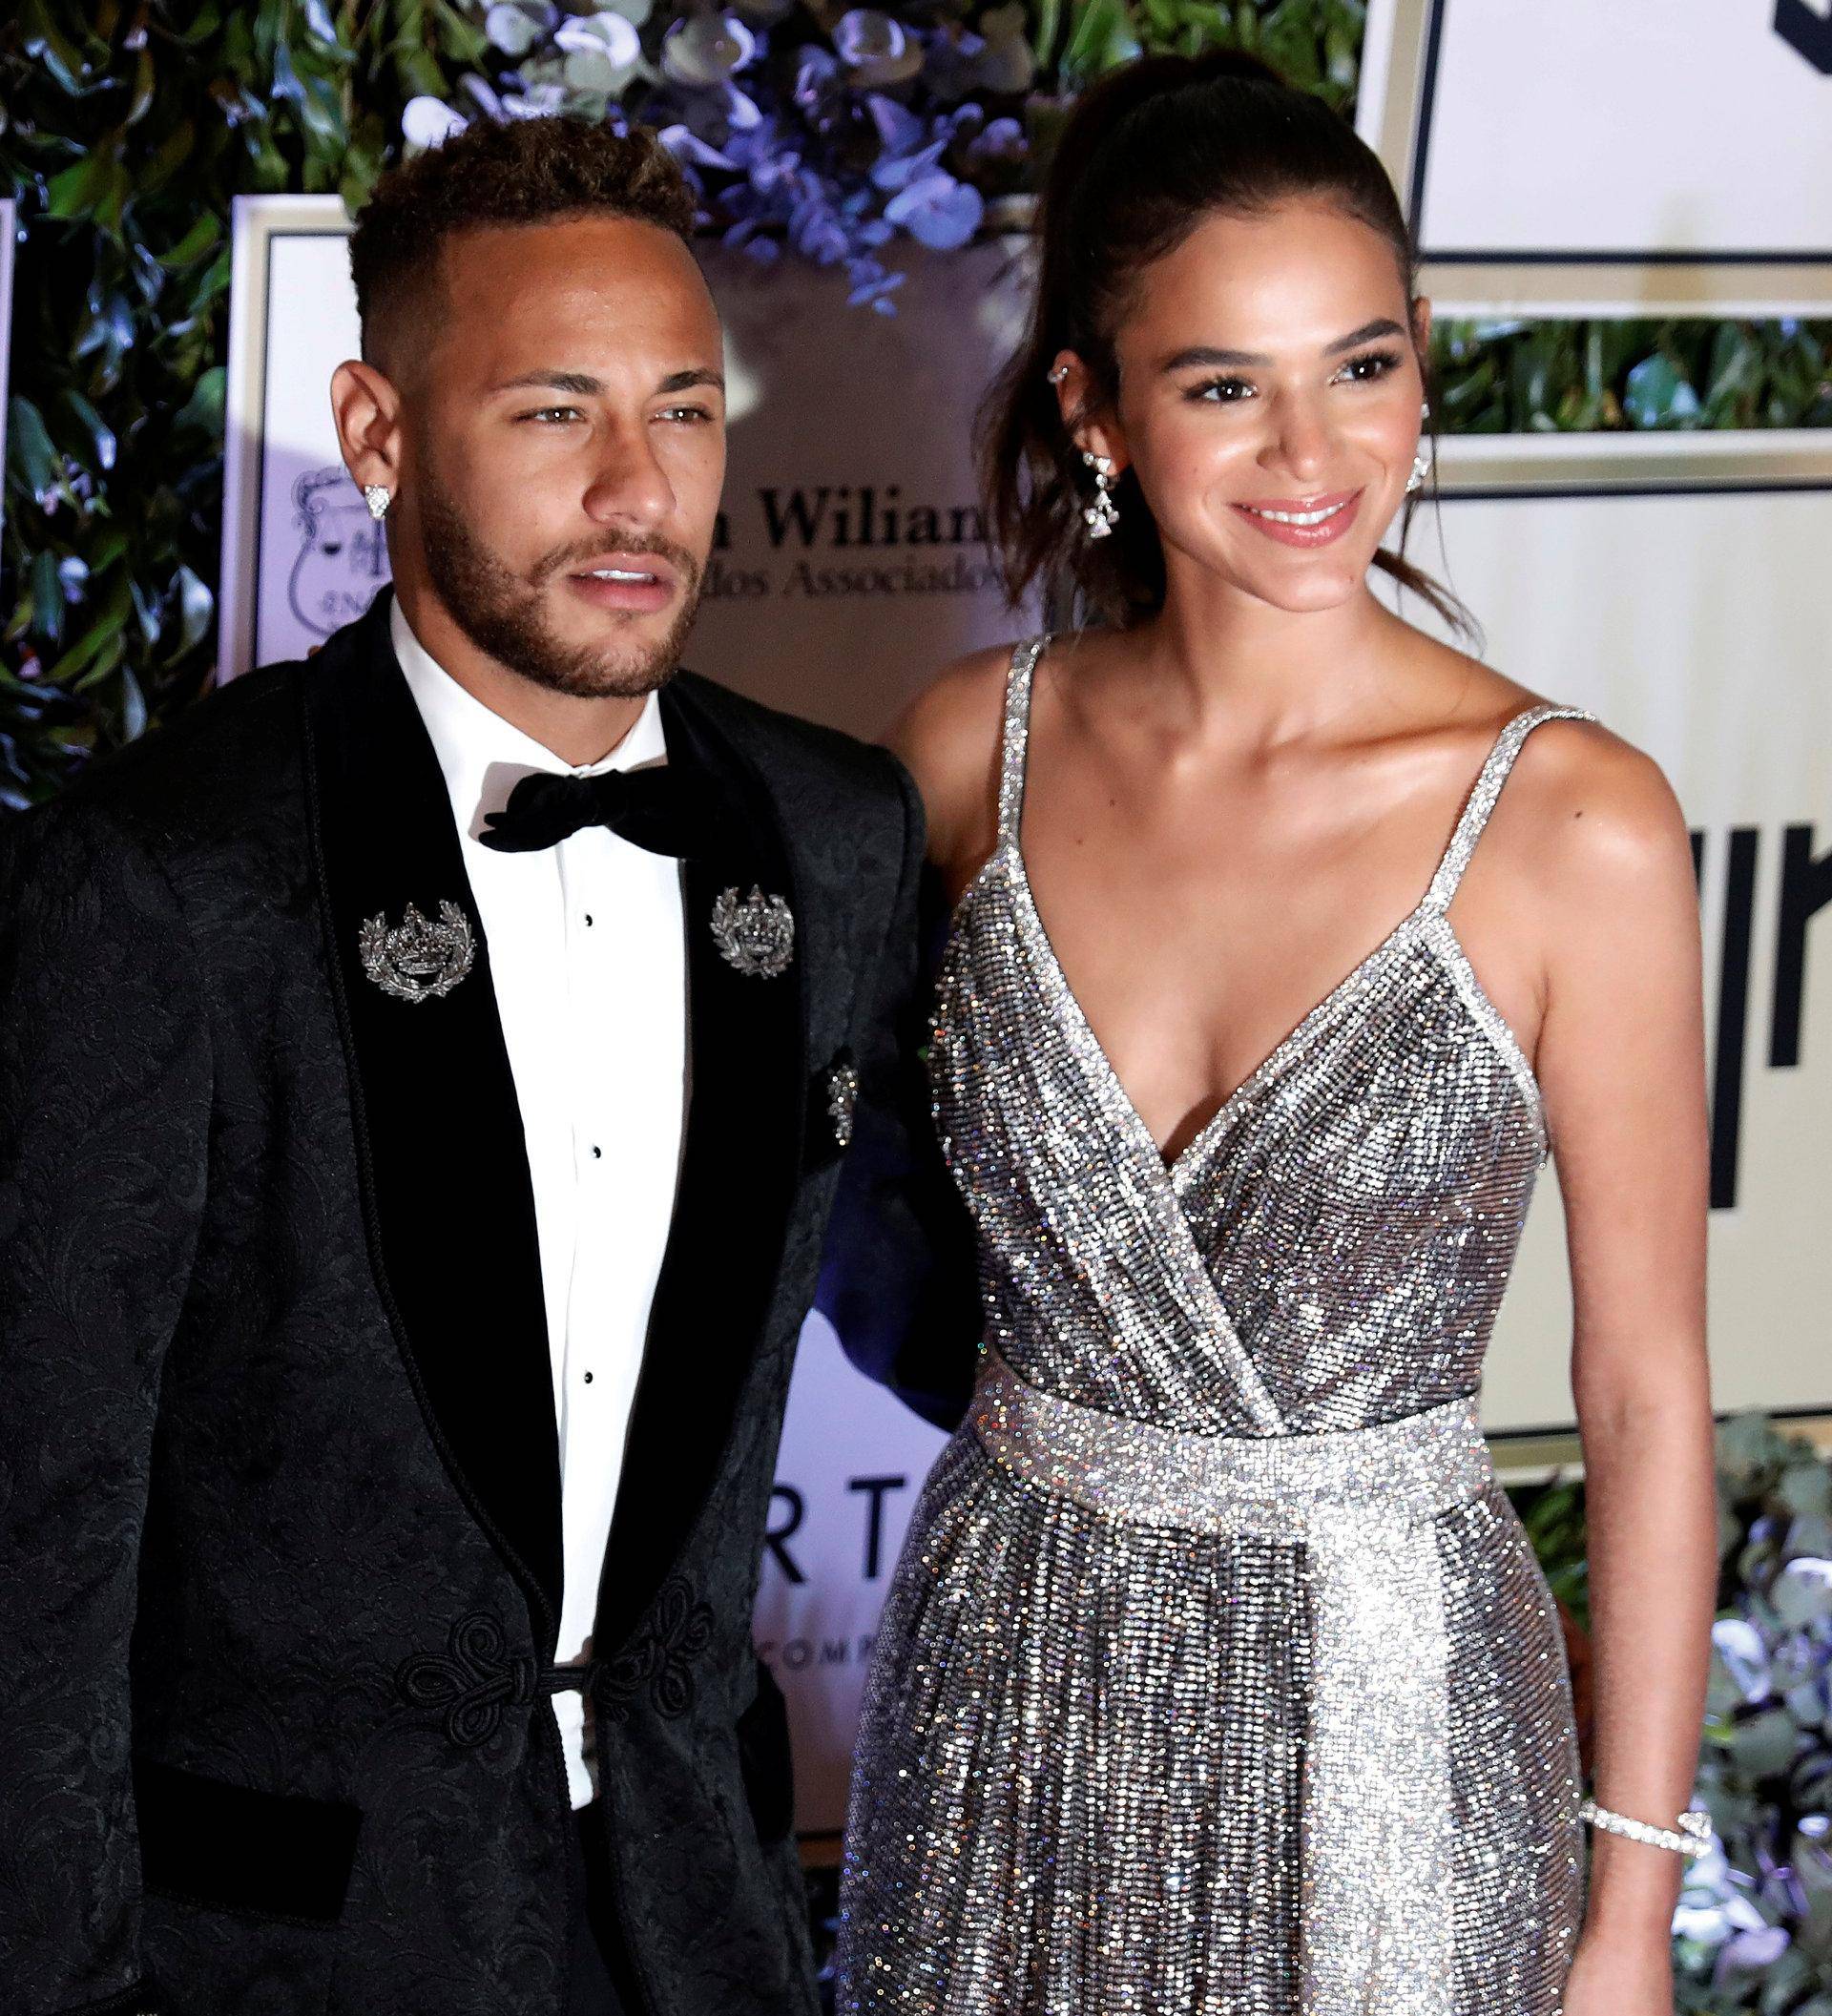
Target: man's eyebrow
x=1202 y=355
x=583 y=385
x=580 y=382
x=686 y=380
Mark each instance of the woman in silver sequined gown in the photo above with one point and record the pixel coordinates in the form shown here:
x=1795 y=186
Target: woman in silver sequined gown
x=1217 y=1675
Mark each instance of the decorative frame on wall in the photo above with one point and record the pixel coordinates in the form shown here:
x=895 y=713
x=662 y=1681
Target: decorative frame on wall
x=9 y=225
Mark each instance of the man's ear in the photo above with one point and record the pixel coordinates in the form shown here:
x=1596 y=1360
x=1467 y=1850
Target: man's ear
x=366 y=406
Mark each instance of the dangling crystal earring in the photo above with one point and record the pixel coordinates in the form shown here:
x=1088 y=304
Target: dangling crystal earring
x=1421 y=461
x=1103 y=513
x=378 y=497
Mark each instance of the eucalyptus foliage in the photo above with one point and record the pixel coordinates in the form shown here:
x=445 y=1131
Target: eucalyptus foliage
x=1754 y=1931
x=127 y=131
x=128 y=126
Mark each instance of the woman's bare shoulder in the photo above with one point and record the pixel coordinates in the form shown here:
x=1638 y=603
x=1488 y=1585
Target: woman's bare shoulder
x=1604 y=820
x=949 y=738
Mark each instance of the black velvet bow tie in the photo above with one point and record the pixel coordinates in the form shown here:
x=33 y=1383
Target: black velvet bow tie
x=656 y=808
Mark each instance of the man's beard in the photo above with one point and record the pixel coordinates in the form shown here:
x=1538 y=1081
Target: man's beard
x=502 y=614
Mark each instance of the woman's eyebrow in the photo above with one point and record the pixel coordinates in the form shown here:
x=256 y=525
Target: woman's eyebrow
x=1203 y=354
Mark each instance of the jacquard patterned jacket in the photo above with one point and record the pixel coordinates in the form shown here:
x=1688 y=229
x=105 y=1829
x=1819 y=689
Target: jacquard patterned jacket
x=279 y=1520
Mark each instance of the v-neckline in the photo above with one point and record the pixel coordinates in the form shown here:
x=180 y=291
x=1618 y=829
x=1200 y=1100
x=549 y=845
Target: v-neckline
x=1172 y=1166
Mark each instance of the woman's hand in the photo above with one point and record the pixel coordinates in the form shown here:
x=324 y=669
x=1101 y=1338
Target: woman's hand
x=1617 y=1976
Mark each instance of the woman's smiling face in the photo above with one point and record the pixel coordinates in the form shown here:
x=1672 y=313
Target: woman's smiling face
x=1269 y=397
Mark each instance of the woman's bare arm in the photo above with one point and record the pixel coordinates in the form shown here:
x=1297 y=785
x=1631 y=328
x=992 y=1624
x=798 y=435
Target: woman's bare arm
x=1620 y=1062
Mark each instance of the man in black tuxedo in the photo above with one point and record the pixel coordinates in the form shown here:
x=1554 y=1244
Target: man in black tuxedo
x=425 y=1075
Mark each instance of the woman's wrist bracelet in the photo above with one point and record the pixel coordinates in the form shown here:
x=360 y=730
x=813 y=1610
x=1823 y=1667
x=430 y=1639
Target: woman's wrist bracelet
x=1692 y=1838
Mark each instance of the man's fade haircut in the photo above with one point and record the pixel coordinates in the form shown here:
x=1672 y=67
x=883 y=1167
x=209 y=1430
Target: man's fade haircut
x=497 y=173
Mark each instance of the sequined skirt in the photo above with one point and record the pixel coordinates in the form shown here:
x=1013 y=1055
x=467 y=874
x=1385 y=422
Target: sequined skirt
x=1168 y=1723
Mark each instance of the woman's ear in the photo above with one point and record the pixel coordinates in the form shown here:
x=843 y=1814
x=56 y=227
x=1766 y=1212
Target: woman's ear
x=1093 y=431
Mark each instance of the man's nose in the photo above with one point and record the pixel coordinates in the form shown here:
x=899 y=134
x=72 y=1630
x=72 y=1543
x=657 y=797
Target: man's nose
x=629 y=482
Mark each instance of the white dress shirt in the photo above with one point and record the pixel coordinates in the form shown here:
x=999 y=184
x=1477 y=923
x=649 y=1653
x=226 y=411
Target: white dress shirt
x=587 y=956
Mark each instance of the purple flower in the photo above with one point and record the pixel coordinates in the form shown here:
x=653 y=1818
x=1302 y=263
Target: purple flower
x=1001 y=145
x=705 y=49
x=937 y=211
x=816 y=231
x=429 y=122
x=515 y=26
x=951 y=66
x=898 y=127
x=899 y=172
x=875 y=46
x=1749 y=1951
x=814 y=75
x=872 y=286
x=692 y=152
x=598 y=50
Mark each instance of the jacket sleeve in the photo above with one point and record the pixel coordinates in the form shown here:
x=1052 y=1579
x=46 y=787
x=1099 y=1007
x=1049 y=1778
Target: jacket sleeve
x=104 y=1112
x=897 y=1278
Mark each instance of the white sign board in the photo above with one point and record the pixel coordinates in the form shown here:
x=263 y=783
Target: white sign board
x=1610 y=156
x=1696 y=624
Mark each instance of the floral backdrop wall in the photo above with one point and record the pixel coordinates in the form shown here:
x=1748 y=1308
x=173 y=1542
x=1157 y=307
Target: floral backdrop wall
x=832 y=135
x=835 y=135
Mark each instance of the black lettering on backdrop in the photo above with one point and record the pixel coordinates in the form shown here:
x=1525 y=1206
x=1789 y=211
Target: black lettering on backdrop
x=1805 y=890
x=869 y=517
x=1808 y=30
x=1733 y=1016
x=775 y=1537
x=876 y=1488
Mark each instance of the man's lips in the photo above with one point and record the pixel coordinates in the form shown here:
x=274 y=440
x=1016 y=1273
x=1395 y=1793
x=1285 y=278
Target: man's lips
x=1303 y=521
x=623 y=580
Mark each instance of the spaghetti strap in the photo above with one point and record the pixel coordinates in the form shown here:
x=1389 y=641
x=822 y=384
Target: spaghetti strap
x=1484 y=793
x=1016 y=734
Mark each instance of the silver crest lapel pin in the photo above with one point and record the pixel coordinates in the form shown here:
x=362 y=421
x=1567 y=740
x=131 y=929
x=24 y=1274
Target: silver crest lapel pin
x=415 y=960
x=755 y=935
x=842 y=1096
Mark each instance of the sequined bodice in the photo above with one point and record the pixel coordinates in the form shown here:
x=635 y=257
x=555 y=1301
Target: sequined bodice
x=1329 y=1252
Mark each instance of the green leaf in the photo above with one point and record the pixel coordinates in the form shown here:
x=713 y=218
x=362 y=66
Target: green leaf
x=205 y=234
x=92 y=190
x=101 y=436
x=203 y=410
x=29 y=449
x=197 y=605
x=1100 y=37
x=46 y=599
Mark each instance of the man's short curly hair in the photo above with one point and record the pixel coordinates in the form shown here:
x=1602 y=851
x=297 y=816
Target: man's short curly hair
x=495 y=173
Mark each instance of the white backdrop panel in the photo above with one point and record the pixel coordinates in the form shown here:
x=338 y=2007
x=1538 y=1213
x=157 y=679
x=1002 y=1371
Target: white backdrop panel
x=852 y=1463
x=1695 y=625
x=1620 y=125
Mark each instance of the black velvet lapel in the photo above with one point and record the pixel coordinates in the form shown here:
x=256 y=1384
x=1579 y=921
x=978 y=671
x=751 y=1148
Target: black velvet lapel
x=740 y=1166
x=447 y=1189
